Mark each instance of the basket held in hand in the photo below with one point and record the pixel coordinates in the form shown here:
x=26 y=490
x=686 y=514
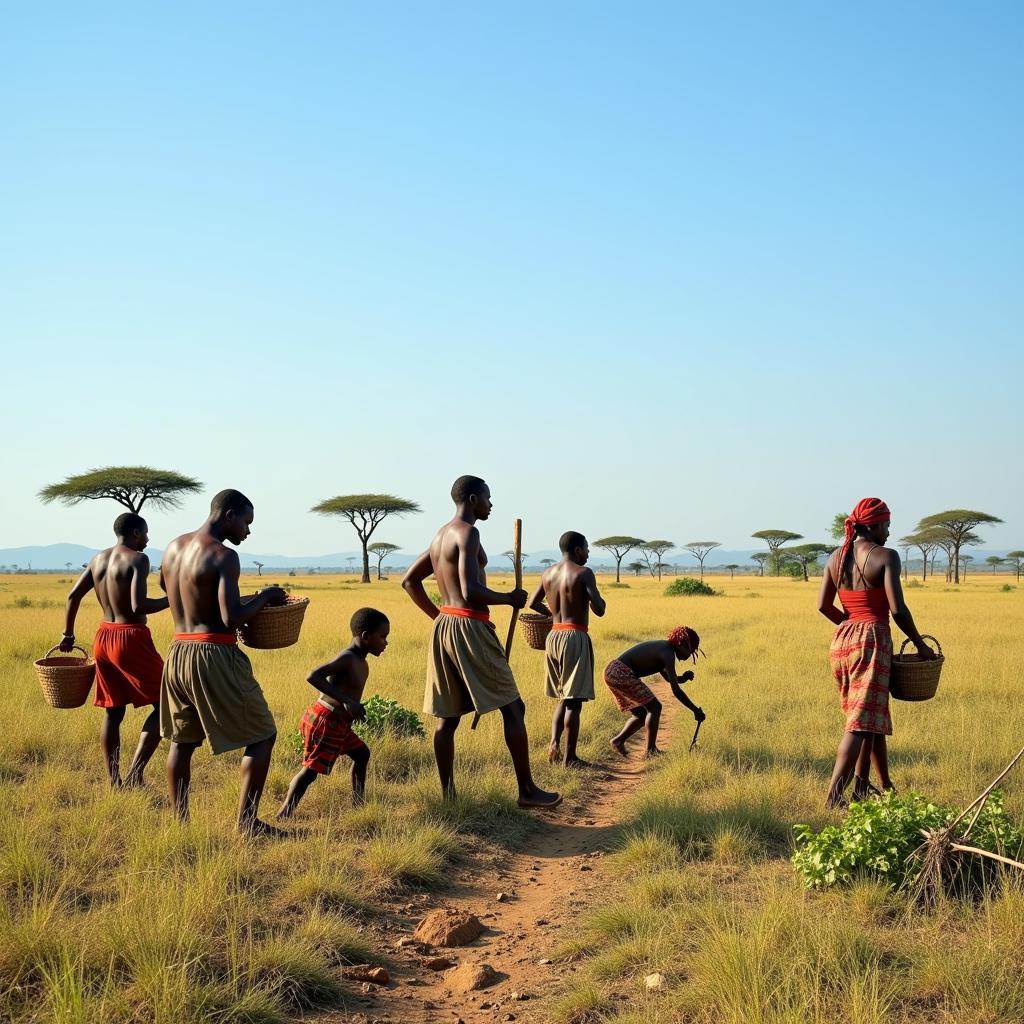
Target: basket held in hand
x=67 y=679
x=914 y=679
x=535 y=629
x=275 y=626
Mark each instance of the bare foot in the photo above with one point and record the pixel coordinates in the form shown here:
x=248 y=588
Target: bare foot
x=257 y=829
x=540 y=798
x=578 y=763
x=653 y=752
x=554 y=753
x=619 y=747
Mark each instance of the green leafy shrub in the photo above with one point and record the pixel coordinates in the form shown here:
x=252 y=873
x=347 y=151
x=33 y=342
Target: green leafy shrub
x=388 y=717
x=1006 y=588
x=912 y=585
x=689 y=587
x=877 y=839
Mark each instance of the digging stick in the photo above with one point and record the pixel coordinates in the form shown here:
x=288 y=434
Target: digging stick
x=517 y=553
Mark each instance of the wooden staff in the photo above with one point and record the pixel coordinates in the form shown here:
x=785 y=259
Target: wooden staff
x=517 y=554
x=517 y=551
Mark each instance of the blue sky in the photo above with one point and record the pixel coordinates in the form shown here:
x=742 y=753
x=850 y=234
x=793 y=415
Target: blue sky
x=673 y=270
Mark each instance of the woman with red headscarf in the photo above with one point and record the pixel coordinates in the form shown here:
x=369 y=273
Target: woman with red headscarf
x=866 y=576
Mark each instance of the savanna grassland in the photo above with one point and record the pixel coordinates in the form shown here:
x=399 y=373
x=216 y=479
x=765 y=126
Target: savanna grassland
x=114 y=913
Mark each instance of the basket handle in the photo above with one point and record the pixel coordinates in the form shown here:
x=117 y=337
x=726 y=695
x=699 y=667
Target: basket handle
x=924 y=636
x=75 y=647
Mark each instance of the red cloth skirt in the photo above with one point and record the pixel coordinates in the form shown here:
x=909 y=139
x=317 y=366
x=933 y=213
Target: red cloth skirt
x=128 y=667
x=326 y=734
x=627 y=687
x=861 y=658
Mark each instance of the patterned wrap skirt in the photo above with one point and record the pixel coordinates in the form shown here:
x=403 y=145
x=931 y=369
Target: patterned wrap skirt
x=861 y=659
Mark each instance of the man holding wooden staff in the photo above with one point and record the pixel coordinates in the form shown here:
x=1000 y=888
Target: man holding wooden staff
x=467 y=670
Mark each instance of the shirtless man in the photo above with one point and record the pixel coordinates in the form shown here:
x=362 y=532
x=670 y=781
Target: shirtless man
x=128 y=667
x=624 y=677
x=570 y=589
x=209 y=691
x=466 y=667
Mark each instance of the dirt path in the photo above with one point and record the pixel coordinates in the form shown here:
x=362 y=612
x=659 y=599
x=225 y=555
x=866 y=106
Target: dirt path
x=543 y=889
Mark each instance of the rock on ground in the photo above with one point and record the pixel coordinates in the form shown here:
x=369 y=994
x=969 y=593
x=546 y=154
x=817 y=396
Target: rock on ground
x=471 y=977
x=448 y=928
x=654 y=982
x=366 y=973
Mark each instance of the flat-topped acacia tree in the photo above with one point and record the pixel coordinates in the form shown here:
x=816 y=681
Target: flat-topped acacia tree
x=130 y=486
x=807 y=554
x=365 y=512
x=760 y=557
x=926 y=541
x=700 y=549
x=653 y=551
x=995 y=561
x=775 y=539
x=381 y=550
x=732 y=567
x=618 y=546
x=1017 y=557
x=956 y=524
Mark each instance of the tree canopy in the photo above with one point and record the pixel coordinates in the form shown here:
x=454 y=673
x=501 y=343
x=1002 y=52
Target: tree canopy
x=382 y=549
x=957 y=523
x=775 y=539
x=653 y=551
x=365 y=512
x=1017 y=557
x=806 y=554
x=619 y=546
x=700 y=549
x=837 y=531
x=130 y=486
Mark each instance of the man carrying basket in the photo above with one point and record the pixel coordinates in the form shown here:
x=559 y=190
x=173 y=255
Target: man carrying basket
x=866 y=577
x=128 y=667
x=209 y=691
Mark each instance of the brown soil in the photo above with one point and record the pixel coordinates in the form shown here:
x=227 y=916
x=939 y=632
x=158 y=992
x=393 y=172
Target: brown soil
x=544 y=889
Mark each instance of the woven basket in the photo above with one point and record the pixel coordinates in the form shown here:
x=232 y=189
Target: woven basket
x=535 y=629
x=914 y=679
x=275 y=625
x=66 y=680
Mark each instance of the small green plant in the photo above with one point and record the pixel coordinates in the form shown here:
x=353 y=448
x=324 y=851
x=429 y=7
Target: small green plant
x=388 y=717
x=913 y=585
x=1006 y=588
x=878 y=838
x=688 y=586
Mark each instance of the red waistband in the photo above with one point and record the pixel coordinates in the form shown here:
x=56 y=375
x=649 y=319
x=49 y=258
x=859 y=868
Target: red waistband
x=124 y=625
x=569 y=627
x=206 y=638
x=466 y=613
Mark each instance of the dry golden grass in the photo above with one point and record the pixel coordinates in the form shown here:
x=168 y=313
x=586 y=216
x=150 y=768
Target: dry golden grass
x=113 y=913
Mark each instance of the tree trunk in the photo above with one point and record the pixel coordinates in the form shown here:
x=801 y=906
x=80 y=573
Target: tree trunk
x=956 y=564
x=366 y=564
x=618 y=569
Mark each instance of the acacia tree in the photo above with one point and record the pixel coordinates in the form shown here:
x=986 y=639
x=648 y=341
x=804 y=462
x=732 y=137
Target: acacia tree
x=995 y=560
x=365 y=512
x=965 y=560
x=760 y=557
x=653 y=551
x=637 y=567
x=732 y=567
x=130 y=486
x=1017 y=557
x=700 y=549
x=618 y=547
x=775 y=539
x=837 y=531
x=259 y=567
x=956 y=524
x=546 y=563
x=806 y=554
x=511 y=556
x=926 y=541
x=382 y=549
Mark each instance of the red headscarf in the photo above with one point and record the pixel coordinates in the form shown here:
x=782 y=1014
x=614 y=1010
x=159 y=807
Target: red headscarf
x=866 y=512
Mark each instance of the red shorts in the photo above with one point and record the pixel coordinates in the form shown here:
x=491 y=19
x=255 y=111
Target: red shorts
x=627 y=688
x=128 y=667
x=326 y=735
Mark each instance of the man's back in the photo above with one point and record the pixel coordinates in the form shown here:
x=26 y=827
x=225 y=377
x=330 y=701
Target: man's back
x=192 y=570
x=112 y=572
x=565 y=590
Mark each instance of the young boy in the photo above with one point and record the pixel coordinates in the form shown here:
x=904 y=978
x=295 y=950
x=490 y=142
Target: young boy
x=326 y=726
x=570 y=590
x=623 y=677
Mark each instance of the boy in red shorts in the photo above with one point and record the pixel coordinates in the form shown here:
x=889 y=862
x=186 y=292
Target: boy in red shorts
x=623 y=675
x=326 y=726
x=128 y=667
